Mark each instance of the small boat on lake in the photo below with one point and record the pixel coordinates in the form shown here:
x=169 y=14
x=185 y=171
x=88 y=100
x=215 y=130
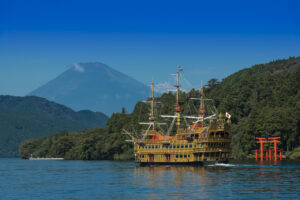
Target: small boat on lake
x=32 y=158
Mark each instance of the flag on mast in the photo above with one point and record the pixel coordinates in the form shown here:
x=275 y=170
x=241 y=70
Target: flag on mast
x=228 y=115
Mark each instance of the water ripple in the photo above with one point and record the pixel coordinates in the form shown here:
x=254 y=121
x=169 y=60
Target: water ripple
x=24 y=179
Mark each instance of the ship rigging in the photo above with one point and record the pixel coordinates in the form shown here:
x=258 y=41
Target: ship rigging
x=204 y=139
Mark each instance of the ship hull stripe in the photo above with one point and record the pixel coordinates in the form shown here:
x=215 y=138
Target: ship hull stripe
x=198 y=163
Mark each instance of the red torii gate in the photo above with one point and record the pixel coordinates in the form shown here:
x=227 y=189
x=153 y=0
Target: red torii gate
x=261 y=141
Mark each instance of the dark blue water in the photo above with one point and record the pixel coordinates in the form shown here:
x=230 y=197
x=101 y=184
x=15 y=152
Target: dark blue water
x=24 y=179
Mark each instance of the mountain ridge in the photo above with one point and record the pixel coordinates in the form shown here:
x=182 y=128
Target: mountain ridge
x=23 y=118
x=94 y=86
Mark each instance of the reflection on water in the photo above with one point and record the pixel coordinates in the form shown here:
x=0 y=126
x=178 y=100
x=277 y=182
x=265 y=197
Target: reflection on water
x=246 y=181
x=182 y=181
x=23 y=179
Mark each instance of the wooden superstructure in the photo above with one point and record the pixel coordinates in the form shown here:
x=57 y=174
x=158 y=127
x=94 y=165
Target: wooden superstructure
x=205 y=140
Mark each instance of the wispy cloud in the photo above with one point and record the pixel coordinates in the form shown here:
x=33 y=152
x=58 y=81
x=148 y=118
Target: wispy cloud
x=163 y=87
x=78 y=68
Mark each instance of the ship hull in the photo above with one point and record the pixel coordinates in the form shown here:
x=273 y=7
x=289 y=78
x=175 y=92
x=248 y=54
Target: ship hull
x=196 y=163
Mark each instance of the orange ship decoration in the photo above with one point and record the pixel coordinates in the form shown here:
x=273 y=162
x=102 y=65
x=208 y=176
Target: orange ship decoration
x=203 y=140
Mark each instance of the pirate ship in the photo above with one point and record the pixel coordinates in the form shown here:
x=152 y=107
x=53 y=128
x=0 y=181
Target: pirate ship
x=205 y=140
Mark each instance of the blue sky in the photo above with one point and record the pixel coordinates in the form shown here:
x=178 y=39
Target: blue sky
x=144 y=39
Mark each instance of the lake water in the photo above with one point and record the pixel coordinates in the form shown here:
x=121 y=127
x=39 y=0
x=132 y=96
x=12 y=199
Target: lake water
x=24 y=179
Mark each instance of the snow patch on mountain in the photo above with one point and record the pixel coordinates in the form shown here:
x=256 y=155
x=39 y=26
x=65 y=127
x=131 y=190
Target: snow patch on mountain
x=78 y=68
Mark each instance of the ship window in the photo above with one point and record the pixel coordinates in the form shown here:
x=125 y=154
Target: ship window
x=185 y=155
x=191 y=146
x=149 y=147
x=188 y=155
x=176 y=156
x=174 y=146
x=186 y=146
x=195 y=145
x=182 y=146
x=178 y=146
x=181 y=156
x=156 y=147
x=145 y=147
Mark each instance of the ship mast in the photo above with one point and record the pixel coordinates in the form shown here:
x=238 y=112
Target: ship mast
x=177 y=106
x=152 y=118
x=201 y=112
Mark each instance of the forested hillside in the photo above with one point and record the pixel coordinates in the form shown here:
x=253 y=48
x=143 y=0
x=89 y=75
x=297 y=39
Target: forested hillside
x=23 y=118
x=264 y=100
x=92 y=144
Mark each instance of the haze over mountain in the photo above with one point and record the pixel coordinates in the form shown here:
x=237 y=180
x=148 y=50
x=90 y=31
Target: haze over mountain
x=94 y=86
x=23 y=118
